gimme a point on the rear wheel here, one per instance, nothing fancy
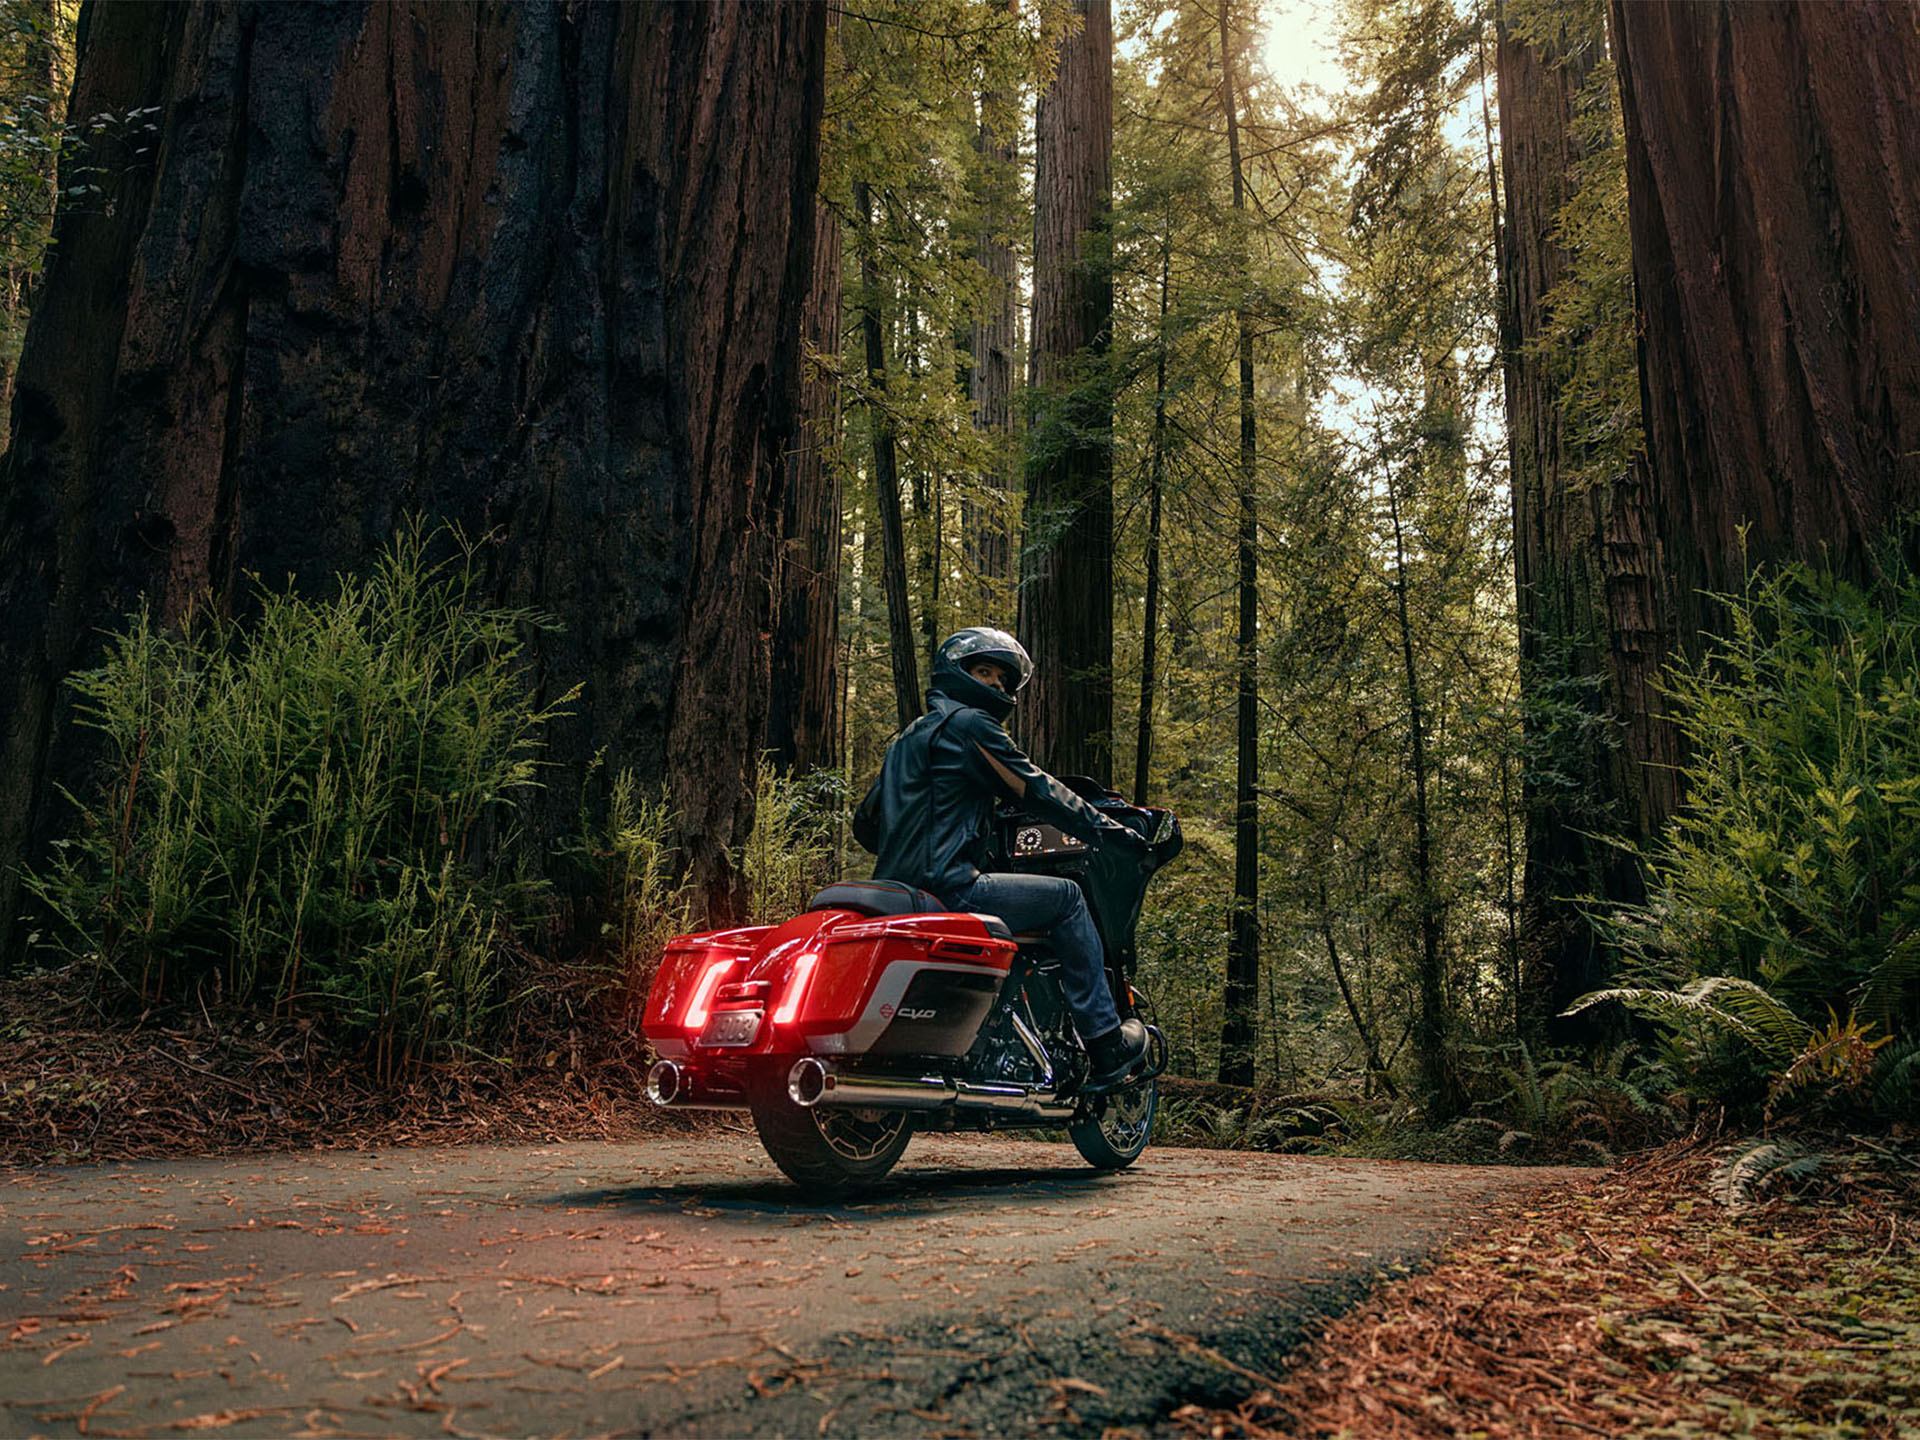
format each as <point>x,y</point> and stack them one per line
<point>1112,1136</point>
<point>828,1150</point>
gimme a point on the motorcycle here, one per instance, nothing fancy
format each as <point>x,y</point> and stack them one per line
<point>877,1012</point>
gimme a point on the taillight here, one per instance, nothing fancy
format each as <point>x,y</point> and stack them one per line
<point>696,1016</point>
<point>796,989</point>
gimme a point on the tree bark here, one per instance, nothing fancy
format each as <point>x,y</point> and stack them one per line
<point>531,269</point>
<point>993,342</point>
<point>1238,1034</point>
<point>1430,1015</point>
<point>1579,787</point>
<point>886,481</point>
<point>1156,476</point>
<point>1066,593</point>
<point>803,721</point>
<point>1773,178</point>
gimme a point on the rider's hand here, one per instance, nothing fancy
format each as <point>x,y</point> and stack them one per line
<point>1127,844</point>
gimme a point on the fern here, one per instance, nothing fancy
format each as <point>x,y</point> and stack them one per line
<point>1715,1002</point>
<point>1749,1169</point>
<point>1896,1081</point>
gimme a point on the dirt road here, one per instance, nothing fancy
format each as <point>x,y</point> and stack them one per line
<point>681,1287</point>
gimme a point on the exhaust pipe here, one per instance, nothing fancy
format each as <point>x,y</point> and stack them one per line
<point>811,1083</point>
<point>671,1086</point>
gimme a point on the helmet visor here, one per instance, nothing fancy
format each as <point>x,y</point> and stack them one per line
<point>970,647</point>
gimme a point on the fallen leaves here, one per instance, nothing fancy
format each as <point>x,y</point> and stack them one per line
<point>1624,1308</point>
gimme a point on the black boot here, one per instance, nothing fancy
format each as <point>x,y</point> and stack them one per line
<point>1115,1056</point>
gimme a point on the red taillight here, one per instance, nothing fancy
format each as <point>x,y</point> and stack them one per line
<point>696,1016</point>
<point>796,989</point>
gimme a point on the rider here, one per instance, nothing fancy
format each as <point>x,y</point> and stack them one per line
<point>930,812</point>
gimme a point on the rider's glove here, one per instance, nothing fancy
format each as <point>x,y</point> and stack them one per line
<point>1127,844</point>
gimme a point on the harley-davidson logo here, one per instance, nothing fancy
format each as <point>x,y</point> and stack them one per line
<point>886,1012</point>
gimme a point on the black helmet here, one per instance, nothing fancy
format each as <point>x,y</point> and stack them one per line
<point>969,647</point>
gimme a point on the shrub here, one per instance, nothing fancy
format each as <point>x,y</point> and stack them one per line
<point>1780,941</point>
<point>293,812</point>
<point>631,883</point>
<point>791,853</point>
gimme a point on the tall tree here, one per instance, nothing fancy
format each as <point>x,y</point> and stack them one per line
<point>1066,592</point>
<point>1156,485</point>
<point>886,472</point>
<point>994,342</point>
<point>1565,340</point>
<point>1238,1036</point>
<point>36,51</point>
<point>1772,188</point>
<point>535,270</point>
<point>803,718</point>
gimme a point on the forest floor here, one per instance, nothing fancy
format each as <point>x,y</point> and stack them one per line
<point>1631,1301</point>
<point>1636,1303</point>
<point>77,1085</point>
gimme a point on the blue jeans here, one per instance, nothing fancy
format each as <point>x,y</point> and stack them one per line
<point>1054,907</point>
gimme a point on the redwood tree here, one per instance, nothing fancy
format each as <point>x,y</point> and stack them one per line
<point>1240,1030</point>
<point>993,344</point>
<point>1581,672</point>
<point>803,723</point>
<point>1773,178</point>
<point>537,270</point>
<point>1066,592</point>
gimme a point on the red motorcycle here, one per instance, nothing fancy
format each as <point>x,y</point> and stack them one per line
<point>877,1012</point>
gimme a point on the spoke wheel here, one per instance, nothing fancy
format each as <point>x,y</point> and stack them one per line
<point>1119,1126</point>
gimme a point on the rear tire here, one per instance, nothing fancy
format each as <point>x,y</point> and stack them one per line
<point>1113,1136</point>
<point>828,1151</point>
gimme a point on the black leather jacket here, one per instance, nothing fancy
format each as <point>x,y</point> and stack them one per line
<point>929,814</point>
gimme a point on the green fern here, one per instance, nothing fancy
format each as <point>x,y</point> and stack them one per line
<point>1896,1081</point>
<point>1716,1002</point>
<point>1745,1172</point>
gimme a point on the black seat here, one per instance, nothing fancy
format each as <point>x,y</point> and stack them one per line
<point>890,897</point>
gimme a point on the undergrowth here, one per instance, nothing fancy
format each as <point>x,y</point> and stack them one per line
<point>1778,951</point>
<point>313,812</point>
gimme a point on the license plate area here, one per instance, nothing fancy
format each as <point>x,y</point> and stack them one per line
<point>731,1029</point>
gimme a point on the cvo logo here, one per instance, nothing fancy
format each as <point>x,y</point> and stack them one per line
<point>887,1012</point>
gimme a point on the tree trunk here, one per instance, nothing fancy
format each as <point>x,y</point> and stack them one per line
<point>1430,1015</point>
<point>803,719</point>
<point>30,223</point>
<point>1773,177</point>
<point>1243,945</point>
<point>1156,475</point>
<point>531,269</point>
<point>1376,1066</point>
<point>993,342</point>
<point>1066,593</point>
<point>886,480</point>
<point>1577,790</point>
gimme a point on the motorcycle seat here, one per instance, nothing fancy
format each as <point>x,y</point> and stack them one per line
<point>891,897</point>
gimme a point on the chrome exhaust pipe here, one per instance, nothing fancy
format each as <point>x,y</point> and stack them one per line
<point>671,1086</point>
<point>811,1083</point>
<point>665,1081</point>
<point>806,1083</point>
<point>1009,1099</point>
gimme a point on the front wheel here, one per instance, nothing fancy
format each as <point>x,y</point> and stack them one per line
<point>1119,1126</point>
<point>828,1151</point>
